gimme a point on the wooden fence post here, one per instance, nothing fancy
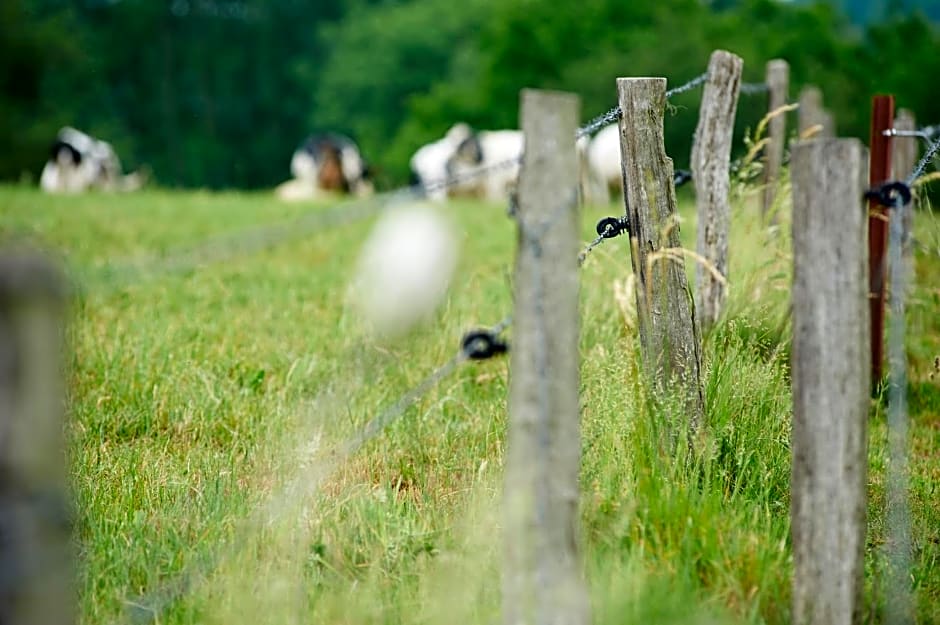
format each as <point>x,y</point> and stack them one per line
<point>711,158</point>
<point>903,161</point>
<point>812,114</point>
<point>778,88</point>
<point>35,563</point>
<point>543,583</point>
<point>668,333</point>
<point>830,381</point>
<point>882,118</point>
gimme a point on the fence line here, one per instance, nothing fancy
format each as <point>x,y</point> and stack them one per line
<point>639,222</point>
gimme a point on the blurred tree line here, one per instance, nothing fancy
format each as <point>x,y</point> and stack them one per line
<point>218,93</point>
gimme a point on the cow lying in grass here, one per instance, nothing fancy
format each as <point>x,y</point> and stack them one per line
<point>326,165</point>
<point>429,162</point>
<point>78,162</point>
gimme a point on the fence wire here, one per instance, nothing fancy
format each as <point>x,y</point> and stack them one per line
<point>753,88</point>
<point>614,114</point>
<point>748,88</point>
<point>929,155</point>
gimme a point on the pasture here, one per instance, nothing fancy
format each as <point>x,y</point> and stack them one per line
<point>206,403</point>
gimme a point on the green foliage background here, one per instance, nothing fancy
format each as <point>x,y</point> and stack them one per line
<point>217,93</point>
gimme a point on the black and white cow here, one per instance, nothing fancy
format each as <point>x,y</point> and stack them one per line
<point>486,164</point>
<point>429,162</point>
<point>327,164</point>
<point>78,162</point>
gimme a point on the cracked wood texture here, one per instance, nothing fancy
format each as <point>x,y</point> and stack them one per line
<point>36,585</point>
<point>830,380</point>
<point>668,333</point>
<point>543,583</point>
<point>778,90</point>
<point>711,161</point>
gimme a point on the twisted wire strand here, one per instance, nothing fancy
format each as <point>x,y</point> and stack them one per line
<point>924,161</point>
<point>614,114</point>
<point>753,88</point>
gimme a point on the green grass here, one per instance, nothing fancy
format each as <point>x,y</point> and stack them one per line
<point>204,401</point>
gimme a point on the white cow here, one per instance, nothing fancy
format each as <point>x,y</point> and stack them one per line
<point>487,163</point>
<point>429,163</point>
<point>603,160</point>
<point>79,162</point>
<point>326,164</point>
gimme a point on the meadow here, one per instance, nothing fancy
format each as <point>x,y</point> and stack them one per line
<point>207,401</point>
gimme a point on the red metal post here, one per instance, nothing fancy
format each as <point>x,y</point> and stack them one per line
<point>882,119</point>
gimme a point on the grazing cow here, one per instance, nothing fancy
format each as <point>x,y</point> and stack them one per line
<point>486,164</point>
<point>429,163</point>
<point>327,163</point>
<point>79,162</point>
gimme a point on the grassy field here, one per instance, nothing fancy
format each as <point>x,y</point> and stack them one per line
<point>205,399</point>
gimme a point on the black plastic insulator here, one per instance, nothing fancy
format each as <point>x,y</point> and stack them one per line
<point>891,194</point>
<point>610,227</point>
<point>482,344</point>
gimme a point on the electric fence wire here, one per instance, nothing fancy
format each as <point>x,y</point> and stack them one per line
<point>921,166</point>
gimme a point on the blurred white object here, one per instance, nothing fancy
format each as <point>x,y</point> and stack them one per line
<point>405,268</point>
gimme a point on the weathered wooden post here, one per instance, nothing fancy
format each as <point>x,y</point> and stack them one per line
<point>542,579</point>
<point>812,114</point>
<point>905,150</point>
<point>882,118</point>
<point>778,89</point>
<point>830,380</point>
<point>35,563</point>
<point>668,334</point>
<point>711,159</point>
